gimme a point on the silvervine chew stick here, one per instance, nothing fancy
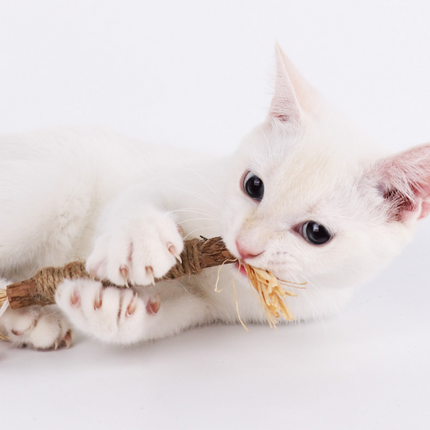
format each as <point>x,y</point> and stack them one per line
<point>198,254</point>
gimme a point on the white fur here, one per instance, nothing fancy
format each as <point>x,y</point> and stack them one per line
<point>116,203</point>
<point>41,328</point>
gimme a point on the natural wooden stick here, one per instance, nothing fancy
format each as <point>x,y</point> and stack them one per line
<point>197,255</point>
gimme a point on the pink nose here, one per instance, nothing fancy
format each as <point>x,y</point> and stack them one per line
<point>246,252</point>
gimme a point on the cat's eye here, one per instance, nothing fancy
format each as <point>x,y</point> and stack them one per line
<point>315,233</point>
<point>253,186</point>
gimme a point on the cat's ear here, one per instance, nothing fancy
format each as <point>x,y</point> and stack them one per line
<point>293,94</point>
<point>404,181</point>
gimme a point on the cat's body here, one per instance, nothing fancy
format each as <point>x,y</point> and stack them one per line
<point>116,203</point>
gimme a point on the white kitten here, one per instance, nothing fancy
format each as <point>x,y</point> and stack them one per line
<point>306,196</point>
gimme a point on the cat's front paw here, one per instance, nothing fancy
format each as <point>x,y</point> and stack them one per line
<point>111,314</point>
<point>38,328</point>
<point>137,252</point>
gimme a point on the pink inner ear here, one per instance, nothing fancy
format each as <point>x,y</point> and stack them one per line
<point>405,179</point>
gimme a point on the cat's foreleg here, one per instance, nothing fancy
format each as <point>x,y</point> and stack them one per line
<point>137,241</point>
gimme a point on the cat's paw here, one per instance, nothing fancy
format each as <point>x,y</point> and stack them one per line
<point>115,315</point>
<point>137,252</point>
<point>38,328</point>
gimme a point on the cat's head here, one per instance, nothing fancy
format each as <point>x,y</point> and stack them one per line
<point>312,201</point>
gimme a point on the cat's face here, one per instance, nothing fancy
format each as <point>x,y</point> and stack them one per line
<point>309,199</point>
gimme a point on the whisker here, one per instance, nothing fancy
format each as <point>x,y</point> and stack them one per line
<point>192,210</point>
<point>193,193</point>
<point>317,313</point>
<point>318,289</point>
<point>198,219</point>
<point>207,184</point>
<point>183,286</point>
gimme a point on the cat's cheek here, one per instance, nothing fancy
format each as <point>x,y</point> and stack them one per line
<point>229,236</point>
<point>230,225</point>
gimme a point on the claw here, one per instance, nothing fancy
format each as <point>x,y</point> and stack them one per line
<point>173,251</point>
<point>131,308</point>
<point>153,306</point>
<point>124,273</point>
<point>67,340</point>
<point>98,301</point>
<point>150,272</point>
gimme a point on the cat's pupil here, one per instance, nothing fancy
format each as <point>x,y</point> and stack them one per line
<point>254,187</point>
<point>315,233</point>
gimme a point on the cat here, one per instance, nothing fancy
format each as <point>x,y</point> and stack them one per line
<point>306,195</point>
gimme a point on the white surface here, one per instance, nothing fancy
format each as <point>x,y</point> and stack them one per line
<point>197,74</point>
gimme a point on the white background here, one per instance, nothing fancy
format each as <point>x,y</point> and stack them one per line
<point>198,74</point>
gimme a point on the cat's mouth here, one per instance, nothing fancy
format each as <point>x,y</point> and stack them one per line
<point>241,268</point>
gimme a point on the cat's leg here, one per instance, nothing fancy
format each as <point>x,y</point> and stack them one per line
<point>126,316</point>
<point>136,243</point>
<point>36,327</point>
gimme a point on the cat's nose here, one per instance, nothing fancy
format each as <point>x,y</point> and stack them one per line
<point>247,252</point>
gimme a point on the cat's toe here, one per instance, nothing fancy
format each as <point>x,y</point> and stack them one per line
<point>136,255</point>
<point>111,314</point>
<point>153,259</point>
<point>96,264</point>
<point>39,328</point>
<point>66,342</point>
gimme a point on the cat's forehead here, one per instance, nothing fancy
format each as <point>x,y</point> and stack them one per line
<point>298,186</point>
<point>303,169</point>
<point>303,173</point>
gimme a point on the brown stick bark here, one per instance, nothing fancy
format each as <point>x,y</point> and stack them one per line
<point>40,289</point>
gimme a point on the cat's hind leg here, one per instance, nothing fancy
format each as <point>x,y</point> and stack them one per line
<point>44,207</point>
<point>39,328</point>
